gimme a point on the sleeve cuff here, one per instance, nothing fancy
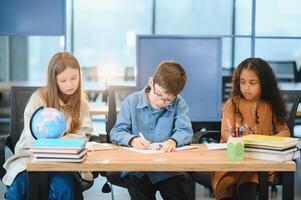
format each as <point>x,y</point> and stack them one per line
<point>129,143</point>
<point>175,141</point>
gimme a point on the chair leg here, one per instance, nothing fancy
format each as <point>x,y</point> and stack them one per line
<point>274,189</point>
<point>112,191</point>
<point>211,193</point>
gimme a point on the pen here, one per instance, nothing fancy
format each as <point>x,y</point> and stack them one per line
<point>246,125</point>
<point>229,127</point>
<point>236,129</point>
<point>241,131</point>
<point>140,134</point>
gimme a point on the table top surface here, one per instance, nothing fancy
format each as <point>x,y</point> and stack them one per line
<point>200,159</point>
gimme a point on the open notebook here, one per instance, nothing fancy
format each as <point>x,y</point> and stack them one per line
<point>153,147</point>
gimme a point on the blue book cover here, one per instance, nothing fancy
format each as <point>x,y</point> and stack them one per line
<point>59,143</point>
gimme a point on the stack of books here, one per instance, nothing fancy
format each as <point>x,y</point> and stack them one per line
<point>273,148</point>
<point>59,150</point>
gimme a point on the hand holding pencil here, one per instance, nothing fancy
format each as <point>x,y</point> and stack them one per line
<point>140,142</point>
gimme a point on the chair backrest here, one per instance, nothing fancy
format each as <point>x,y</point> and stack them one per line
<point>226,87</point>
<point>285,70</point>
<point>19,97</point>
<point>292,99</point>
<point>116,95</point>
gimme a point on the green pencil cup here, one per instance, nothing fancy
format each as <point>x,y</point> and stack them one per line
<point>235,148</point>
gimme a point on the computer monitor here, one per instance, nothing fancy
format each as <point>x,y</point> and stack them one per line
<point>285,71</point>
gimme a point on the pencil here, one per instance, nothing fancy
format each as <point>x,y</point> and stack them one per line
<point>141,135</point>
<point>246,125</point>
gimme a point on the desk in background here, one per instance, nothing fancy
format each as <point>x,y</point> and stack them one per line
<point>88,86</point>
<point>200,159</point>
<point>289,86</point>
<point>96,109</point>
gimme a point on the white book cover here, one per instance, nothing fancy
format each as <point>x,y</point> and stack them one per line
<point>286,151</point>
<point>67,160</point>
<point>60,155</point>
<point>272,157</point>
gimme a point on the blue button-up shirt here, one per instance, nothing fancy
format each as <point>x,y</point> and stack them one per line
<point>156,125</point>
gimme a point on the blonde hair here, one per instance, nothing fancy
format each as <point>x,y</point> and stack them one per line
<point>51,93</point>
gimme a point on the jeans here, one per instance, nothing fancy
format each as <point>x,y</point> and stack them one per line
<point>62,186</point>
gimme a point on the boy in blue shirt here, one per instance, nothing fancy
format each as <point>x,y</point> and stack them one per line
<point>155,114</point>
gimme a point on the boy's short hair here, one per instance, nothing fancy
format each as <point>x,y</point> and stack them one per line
<point>170,76</point>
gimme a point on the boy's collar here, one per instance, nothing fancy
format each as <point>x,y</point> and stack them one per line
<point>142,100</point>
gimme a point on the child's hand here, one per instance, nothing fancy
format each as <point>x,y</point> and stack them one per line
<point>169,145</point>
<point>140,143</point>
<point>66,136</point>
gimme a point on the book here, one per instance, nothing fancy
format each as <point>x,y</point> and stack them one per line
<point>271,142</point>
<point>275,151</point>
<point>68,160</point>
<point>60,155</point>
<point>58,151</point>
<point>272,156</point>
<point>59,143</point>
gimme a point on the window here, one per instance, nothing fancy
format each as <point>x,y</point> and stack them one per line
<point>279,49</point>
<point>40,50</point>
<point>193,17</point>
<point>278,18</point>
<point>104,33</point>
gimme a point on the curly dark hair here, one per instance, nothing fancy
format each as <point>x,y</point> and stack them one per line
<point>270,92</point>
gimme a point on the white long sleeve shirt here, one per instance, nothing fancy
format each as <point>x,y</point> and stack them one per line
<point>17,163</point>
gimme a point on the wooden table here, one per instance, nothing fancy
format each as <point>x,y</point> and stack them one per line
<point>200,159</point>
<point>96,109</point>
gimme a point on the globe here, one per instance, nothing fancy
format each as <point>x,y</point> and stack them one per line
<point>47,123</point>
